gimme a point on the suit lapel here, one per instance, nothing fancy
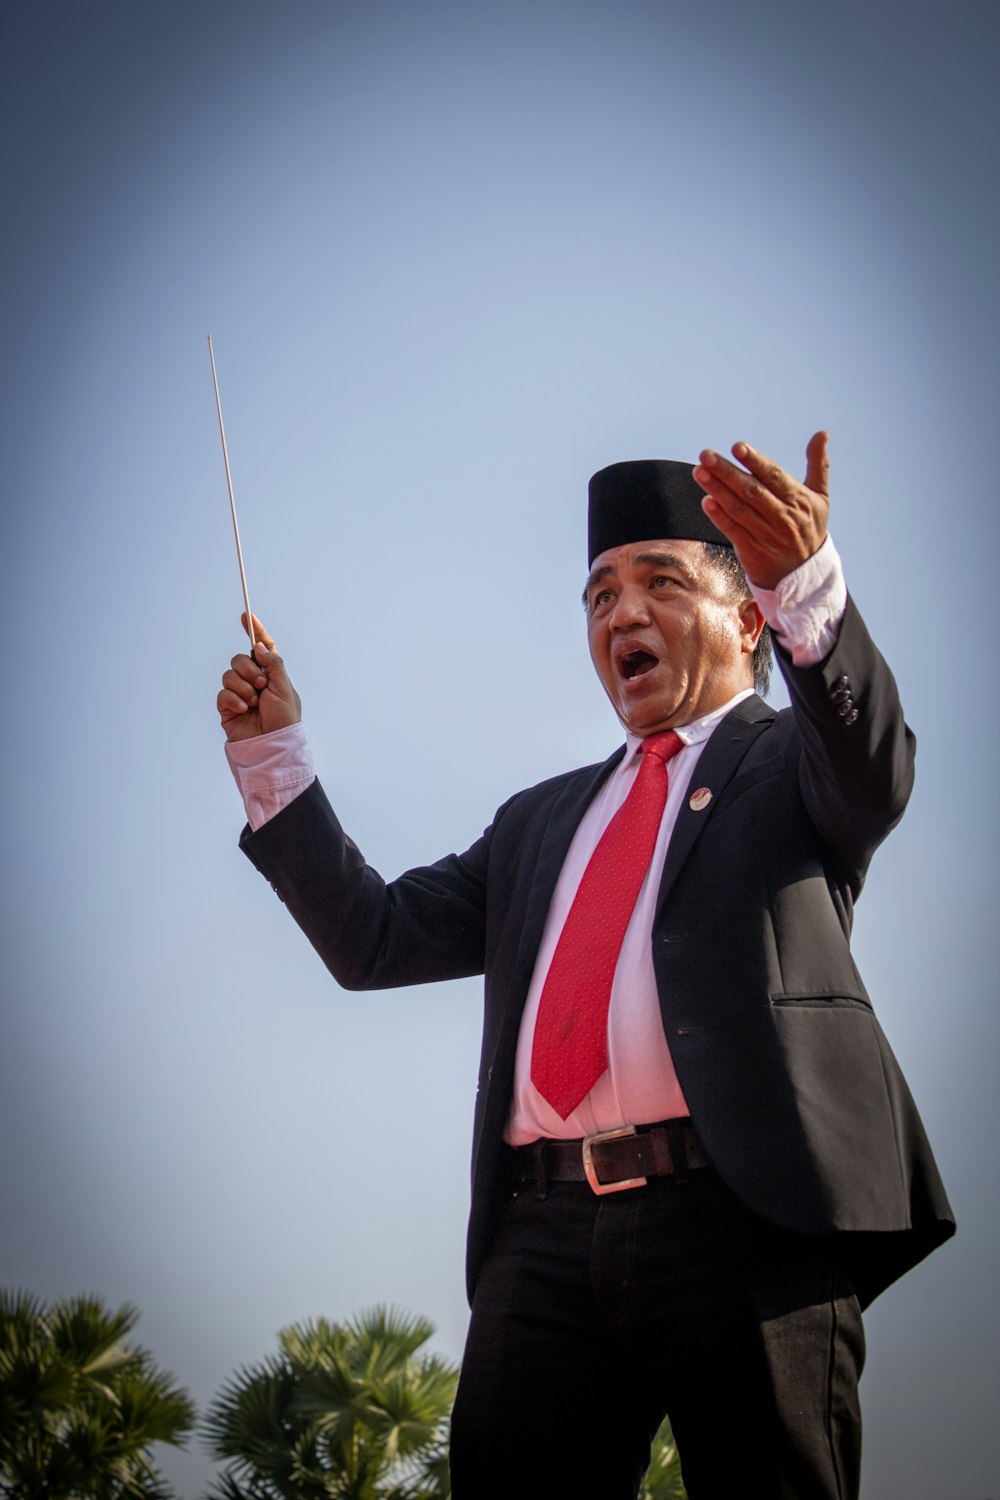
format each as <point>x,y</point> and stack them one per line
<point>716,766</point>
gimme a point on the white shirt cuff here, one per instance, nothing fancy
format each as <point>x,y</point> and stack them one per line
<point>271,770</point>
<point>806,608</point>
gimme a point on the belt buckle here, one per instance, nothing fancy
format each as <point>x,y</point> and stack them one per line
<point>590,1171</point>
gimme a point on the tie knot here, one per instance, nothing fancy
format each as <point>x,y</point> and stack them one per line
<point>662,745</point>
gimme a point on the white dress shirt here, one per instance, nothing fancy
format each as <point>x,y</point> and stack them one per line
<point>639,1085</point>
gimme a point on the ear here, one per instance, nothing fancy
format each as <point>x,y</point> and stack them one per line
<point>751,625</point>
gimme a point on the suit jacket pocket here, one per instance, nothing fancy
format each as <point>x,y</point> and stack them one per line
<point>822,1000</point>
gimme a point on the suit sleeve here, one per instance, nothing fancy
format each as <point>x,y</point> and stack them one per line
<point>857,752</point>
<point>427,925</point>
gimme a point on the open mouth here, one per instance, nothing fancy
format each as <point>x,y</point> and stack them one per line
<point>636,664</point>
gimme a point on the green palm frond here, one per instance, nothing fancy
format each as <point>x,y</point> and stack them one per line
<point>345,1411</point>
<point>386,1336</point>
<point>34,1381</point>
<point>410,1405</point>
<point>308,1344</point>
<point>253,1409</point>
<point>663,1480</point>
<point>79,1406</point>
<point>149,1404</point>
<point>226,1488</point>
<point>330,1387</point>
<point>20,1311</point>
<point>89,1336</point>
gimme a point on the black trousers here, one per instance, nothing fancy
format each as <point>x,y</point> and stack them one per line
<point>595,1316</point>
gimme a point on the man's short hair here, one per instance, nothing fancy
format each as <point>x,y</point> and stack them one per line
<point>725,559</point>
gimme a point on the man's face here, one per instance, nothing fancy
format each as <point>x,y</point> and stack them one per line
<point>667,639</point>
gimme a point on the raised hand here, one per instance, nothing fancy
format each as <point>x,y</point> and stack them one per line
<point>773,520</point>
<point>257,695</point>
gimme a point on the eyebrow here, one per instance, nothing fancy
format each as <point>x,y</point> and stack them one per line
<point>650,559</point>
<point>595,577</point>
<point>664,560</point>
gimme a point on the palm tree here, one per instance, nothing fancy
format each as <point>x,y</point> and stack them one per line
<point>346,1410</point>
<point>663,1480</point>
<point>79,1406</point>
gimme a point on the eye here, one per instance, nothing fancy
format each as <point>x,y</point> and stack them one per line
<point>602,598</point>
<point>661,581</point>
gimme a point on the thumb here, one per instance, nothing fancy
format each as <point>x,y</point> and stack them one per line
<point>818,464</point>
<point>259,635</point>
<point>269,660</point>
<point>280,704</point>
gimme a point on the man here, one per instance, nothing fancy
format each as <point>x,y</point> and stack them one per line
<point>695,1158</point>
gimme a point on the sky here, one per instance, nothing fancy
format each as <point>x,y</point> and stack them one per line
<point>454,258</point>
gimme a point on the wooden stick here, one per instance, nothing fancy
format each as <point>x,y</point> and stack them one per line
<point>232,501</point>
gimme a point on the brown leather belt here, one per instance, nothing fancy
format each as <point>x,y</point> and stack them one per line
<point>613,1160</point>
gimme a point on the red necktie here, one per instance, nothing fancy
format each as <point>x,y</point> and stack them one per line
<point>570,1049</point>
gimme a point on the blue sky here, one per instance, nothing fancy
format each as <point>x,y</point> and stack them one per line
<point>454,258</point>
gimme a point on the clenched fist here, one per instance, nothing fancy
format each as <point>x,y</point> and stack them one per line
<point>256,695</point>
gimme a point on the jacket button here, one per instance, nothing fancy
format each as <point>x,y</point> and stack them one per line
<point>851,717</point>
<point>846,708</point>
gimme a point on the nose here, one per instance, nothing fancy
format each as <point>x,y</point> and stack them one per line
<point>631,609</point>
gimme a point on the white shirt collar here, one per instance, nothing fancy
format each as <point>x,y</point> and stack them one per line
<point>697,731</point>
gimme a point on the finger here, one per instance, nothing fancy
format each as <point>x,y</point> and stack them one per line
<point>245,666</point>
<point>259,633</point>
<point>272,673</point>
<point>232,682</point>
<point>711,474</point>
<point>818,464</point>
<point>770,474</point>
<point>730,527</point>
<point>740,495</point>
<point>230,705</point>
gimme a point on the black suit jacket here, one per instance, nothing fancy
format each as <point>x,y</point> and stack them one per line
<point>791,1084</point>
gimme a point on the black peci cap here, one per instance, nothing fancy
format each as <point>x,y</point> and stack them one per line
<point>646,499</point>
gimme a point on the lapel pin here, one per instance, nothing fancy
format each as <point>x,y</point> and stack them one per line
<point>700,799</point>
